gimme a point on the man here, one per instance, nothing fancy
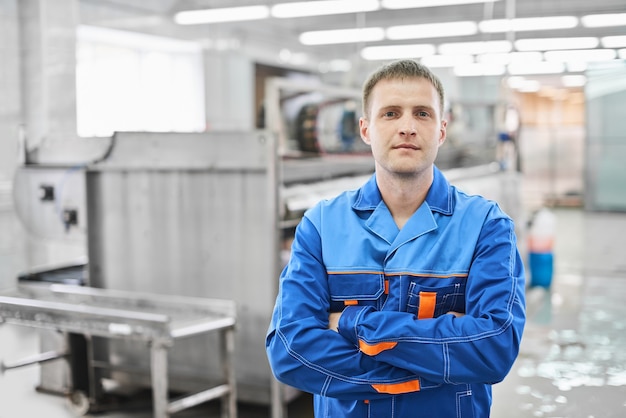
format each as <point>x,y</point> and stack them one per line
<point>404,298</point>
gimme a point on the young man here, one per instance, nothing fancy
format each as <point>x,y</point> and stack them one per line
<point>404,298</point>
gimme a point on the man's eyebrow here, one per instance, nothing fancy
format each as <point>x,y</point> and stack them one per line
<point>388,107</point>
<point>424,107</point>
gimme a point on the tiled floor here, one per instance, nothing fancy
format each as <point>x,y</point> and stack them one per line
<point>572,364</point>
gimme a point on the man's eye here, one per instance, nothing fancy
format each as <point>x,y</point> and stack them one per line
<point>389,114</point>
<point>423,114</point>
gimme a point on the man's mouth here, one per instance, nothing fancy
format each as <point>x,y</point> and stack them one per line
<point>406,146</point>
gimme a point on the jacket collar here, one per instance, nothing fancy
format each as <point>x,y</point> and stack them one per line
<point>439,197</point>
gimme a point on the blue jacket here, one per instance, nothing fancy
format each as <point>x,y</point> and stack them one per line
<point>398,353</point>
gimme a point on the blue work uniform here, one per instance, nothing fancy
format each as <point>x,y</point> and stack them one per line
<point>398,352</point>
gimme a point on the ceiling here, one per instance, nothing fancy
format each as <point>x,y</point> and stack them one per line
<point>275,41</point>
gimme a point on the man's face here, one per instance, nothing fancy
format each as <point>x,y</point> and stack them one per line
<point>404,125</point>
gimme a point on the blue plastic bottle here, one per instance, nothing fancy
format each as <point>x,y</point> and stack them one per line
<point>540,248</point>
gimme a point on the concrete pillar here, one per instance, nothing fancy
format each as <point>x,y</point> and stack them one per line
<point>47,31</point>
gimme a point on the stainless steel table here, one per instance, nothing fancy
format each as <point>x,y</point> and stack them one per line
<point>158,320</point>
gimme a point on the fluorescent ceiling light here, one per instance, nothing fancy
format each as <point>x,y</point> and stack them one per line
<point>439,61</point>
<point>411,4</point>
<point>526,24</point>
<point>341,36</point>
<point>389,52</point>
<point>473,70</point>
<point>547,44</point>
<point>580,55</point>
<point>613,41</point>
<point>432,30</point>
<point>507,58</point>
<point>521,68</point>
<point>474,47</point>
<point>319,8</point>
<point>576,66</point>
<point>598,21</point>
<point>228,14</point>
<point>573,80</point>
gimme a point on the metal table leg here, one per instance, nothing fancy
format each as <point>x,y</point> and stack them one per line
<point>158,364</point>
<point>229,405</point>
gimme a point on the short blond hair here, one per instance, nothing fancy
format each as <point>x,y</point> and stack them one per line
<point>398,70</point>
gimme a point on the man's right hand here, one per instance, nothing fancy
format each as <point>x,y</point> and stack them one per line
<point>333,321</point>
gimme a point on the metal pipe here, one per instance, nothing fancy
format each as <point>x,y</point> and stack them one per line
<point>37,358</point>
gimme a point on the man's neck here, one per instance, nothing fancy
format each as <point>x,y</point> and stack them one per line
<point>403,195</point>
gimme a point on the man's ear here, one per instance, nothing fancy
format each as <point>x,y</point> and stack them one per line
<point>443,131</point>
<point>364,130</point>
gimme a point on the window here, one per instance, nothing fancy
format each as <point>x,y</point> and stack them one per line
<point>127,81</point>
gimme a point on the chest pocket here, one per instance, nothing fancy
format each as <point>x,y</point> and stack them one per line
<point>431,302</point>
<point>355,289</point>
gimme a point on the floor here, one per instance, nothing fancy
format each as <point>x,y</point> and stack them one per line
<point>572,362</point>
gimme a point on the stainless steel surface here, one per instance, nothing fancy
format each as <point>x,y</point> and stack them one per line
<point>113,313</point>
<point>34,359</point>
<point>191,215</point>
<point>156,319</point>
<point>43,216</point>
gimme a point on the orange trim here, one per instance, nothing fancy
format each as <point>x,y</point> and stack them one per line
<point>397,388</point>
<point>427,305</point>
<point>366,401</point>
<point>350,302</point>
<point>386,287</point>
<point>374,349</point>
<point>436,276</point>
<point>401,273</point>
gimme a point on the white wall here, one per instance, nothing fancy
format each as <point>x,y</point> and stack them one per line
<point>9,88</point>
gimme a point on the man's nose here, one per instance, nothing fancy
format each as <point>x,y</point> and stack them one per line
<point>408,128</point>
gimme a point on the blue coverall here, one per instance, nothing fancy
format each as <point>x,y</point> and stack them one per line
<point>398,352</point>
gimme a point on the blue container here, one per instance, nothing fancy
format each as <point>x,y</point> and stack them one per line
<point>541,269</point>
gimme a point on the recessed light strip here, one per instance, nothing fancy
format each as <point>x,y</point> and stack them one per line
<point>613,41</point>
<point>432,30</point>
<point>340,36</point>
<point>528,24</point>
<point>228,14</point>
<point>397,51</point>
<point>547,44</point>
<point>320,8</point>
<point>304,9</point>
<point>412,4</point>
<point>604,20</point>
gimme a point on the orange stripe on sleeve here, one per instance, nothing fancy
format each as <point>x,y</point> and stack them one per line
<point>374,349</point>
<point>351,302</point>
<point>397,388</point>
<point>427,305</point>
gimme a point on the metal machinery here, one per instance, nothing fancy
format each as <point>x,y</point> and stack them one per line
<point>86,314</point>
